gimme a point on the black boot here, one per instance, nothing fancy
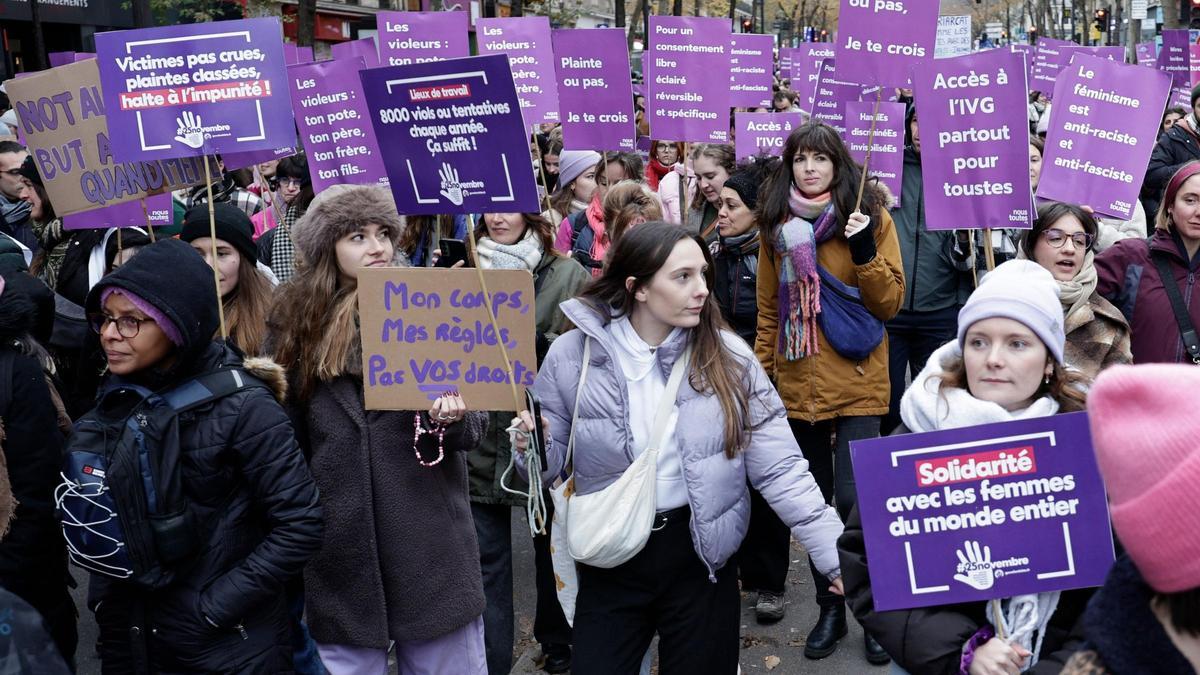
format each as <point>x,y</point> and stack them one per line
<point>875,654</point>
<point>558,658</point>
<point>823,638</point>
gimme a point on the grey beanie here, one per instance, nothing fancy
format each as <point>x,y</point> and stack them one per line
<point>572,163</point>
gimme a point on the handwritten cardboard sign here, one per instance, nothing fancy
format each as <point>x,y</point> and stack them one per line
<point>982,512</point>
<point>427,331</point>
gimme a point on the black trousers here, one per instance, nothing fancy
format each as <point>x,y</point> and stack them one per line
<point>664,589</point>
<point>912,338</point>
<point>765,553</point>
<point>550,625</point>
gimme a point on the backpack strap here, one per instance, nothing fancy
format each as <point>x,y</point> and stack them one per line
<point>582,239</point>
<point>209,387</point>
<point>1187,332</point>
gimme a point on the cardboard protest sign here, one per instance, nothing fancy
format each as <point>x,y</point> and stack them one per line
<point>973,117</point>
<point>1048,60</point>
<point>881,41</point>
<point>454,138</point>
<point>953,37</point>
<point>1146,54</point>
<point>421,37</point>
<point>526,41</point>
<point>806,71</point>
<point>1174,58</point>
<point>595,96</point>
<point>1103,127</point>
<point>831,96</point>
<point>750,70</point>
<point>887,152</point>
<point>195,89</point>
<point>363,48</point>
<point>688,78</point>
<point>335,125</point>
<point>977,513</point>
<point>427,331</point>
<point>61,112</point>
<point>763,133</point>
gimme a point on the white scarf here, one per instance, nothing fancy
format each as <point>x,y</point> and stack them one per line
<point>523,255</point>
<point>925,408</point>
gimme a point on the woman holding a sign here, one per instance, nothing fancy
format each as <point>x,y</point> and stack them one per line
<point>821,247</point>
<point>651,338</point>
<point>1006,364</point>
<point>400,560</point>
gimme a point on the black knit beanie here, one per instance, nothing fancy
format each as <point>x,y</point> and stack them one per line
<point>745,183</point>
<point>177,282</point>
<point>233,227</point>
<point>29,170</point>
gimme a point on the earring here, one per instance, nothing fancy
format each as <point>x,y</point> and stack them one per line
<point>1047,381</point>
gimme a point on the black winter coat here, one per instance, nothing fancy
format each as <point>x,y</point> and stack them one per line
<point>247,481</point>
<point>735,265</point>
<point>1176,147</point>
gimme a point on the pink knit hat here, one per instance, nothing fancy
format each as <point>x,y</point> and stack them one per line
<point>1148,447</point>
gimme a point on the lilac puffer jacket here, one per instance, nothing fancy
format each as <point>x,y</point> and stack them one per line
<point>716,485</point>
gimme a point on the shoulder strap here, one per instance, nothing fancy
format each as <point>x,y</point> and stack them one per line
<point>668,399</point>
<point>1187,331</point>
<point>209,387</point>
<point>587,357</point>
<point>6,361</point>
<point>578,222</point>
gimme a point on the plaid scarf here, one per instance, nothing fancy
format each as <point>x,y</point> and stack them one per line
<point>813,223</point>
<point>283,251</point>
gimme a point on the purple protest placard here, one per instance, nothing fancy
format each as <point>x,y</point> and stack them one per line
<point>1103,126</point>
<point>595,97</point>
<point>363,48</point>
<point>1111,53</point>
<point>807,69</point>
<point>1194,58</point>
<point>1181,97</point>
<point>977,513</point>
<point>787,61</point>
<point>1174,58</point>
<point>335,125</point>
<point>974,123</point>
<point>831,96</point>
<point>688,79</point>
<point>195,89</point>
<point>420,37</point>
<point>881,41</point>
<point>125,214</point>
<point>241,160</point>
<point>63,58</point>
<point>887,152</point>
<point>762,133</point>
<point>1030,54</point>
<point>1048,60</point>
<point>526,41</point>
<point>1146,55</point>
<point>750,70</point>
<point>455,139</point>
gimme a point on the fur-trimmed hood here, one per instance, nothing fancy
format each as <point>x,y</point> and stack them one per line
<point>271,373</point>
<point>341,209</point>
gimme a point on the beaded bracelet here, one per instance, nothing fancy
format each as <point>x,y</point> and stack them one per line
<point>985,633</point>
<point>419,431</point>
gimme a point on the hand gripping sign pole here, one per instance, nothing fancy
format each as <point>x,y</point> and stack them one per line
<point>212,233</point>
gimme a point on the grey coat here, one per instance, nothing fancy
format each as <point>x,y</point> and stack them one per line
<point>716,485</point>
<point>400,559</point>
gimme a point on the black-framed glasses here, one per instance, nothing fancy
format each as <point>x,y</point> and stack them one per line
<point>291,182</point>
<point>127,326</point>
<point>1056,238</point>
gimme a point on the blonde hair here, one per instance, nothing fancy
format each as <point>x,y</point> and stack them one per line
<point>626,202</point>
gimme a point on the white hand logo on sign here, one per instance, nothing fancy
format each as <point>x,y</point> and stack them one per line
<point>190,131</point>
<point>975,567</point>
<point>451,188</point>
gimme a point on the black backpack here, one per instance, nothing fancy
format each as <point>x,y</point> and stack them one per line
<point>121,505</point>
<point>582,238</point>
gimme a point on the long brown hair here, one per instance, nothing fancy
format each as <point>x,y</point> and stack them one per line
<point>417,228</point>
<point>625,202</point>
<point>1067,387</point>
<point>720,153</point>
<point>816,136</point>
<point>247,308</point>
<point>714,369</point>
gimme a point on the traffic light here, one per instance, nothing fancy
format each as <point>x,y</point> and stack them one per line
<point>747,24</point>
<point>1102,19</point>
<point>1194,14</point>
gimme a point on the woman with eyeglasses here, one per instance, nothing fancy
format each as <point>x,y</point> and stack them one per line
<point>1140,276</point>
<point>276,249</point>
<point>291,174</point>
<point>1062,240</point>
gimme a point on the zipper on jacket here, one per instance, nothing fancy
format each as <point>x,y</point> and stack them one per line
<point>912,299</point>
<point>241,629</point>
<point>1181,350</point>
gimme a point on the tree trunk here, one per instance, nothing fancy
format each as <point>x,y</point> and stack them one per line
<point>39,40</point>
<point>619,13</point>
<point>518,7</point>
<point>696,8</point>
<point>677,9</point>
<point>1170,12</point>
<point>1135,33</point>
<point>306,20</point>
<point>733,12</point>
<point>142,16</point>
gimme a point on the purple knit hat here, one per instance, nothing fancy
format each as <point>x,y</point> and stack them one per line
<point>168,328</point>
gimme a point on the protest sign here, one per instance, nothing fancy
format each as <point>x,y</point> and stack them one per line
<point>1116,54</point>
<point>454,136</point>
<point>1174,58</point>
<point>526,41</point>
<point>978,513</point>
<point>763,133</point>
<point>831,95</point>
<point>880,41</point>
<point>1146,55</point>
<point>1030,54</point>
<point>363,48</point>
<point>241,160</point>
<point>1194,58</point>
<point>953,37</point>
<point>420,37</point>
<point>688,79</point>
<point>750,70</point>
<point>61,114</point>
<point>195,89</point>
<point>787,60</point>
<point>335,126</point>
<point>1048,60</point>
<point>595,97</point>
<point>63,58</point>
<point>427,331</point>
<point>158,212</point>
<point>887,152</point>
<point>807,69</point>
<point>1103,126</point>
<point>1181,97</point>
<point>974,124</point>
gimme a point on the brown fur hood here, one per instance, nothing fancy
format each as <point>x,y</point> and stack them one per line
<point>272,374</point>
<point>340,210</point>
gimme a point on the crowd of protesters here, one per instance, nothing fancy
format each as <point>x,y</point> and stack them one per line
<point>327,538</point>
